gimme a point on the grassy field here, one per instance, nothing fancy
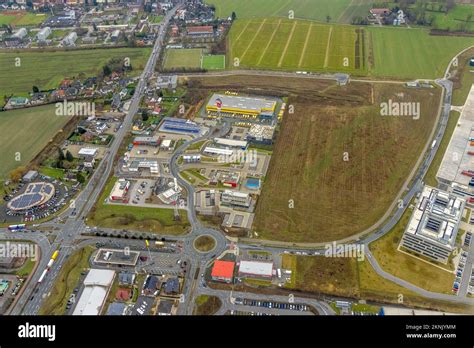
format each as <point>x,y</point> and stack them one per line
<point>407,267</point>
<point>66,281</point>
<point>157,220</point>
<point>46,69</point>
<point>204,243</point>
<point>207,305</point>
<point>276,43</point>
<point>306,9</point>
<point>336,276</point>
<point>283,44</point>
<point>21,18</point>
<point>455,19</point>
<point>420,54</point>
<point>357,280</point>
<point>29,131</point>
<point>462,77</point>
<point>183,58</point>
<point>333,197</point>
<point>213,62</point>
<point>430,177</point>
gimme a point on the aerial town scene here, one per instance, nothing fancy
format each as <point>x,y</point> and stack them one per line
<point>242,158</point>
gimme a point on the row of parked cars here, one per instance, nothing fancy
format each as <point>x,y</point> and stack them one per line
<point>272,304</point>
<point>459,271</point>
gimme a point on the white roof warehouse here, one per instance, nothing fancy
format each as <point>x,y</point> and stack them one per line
<point>96,288</point>
<point>256,269</point>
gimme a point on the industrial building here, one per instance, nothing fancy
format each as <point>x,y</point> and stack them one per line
<point>135,164</point>
<point>236,199</point>
<point>256,269</point>
<point>115,36</point>
<point>210,150</point>
<point>200,31</point>
<point>43,34</point>
<point>20,34</point>
<point>261,134</point>
<point>120,189</point>
<point>96,288</point>
<point>457,167</point>
<point>223,271</point>
<point>434,224</point>
<point>237,144</point>
<point>249,108</point>
<point>147,141</point>
<point>180,126</point>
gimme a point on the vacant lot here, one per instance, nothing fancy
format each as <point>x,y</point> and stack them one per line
<point>336,276</point>
<point>157,220</point>
<point>46,69</point>
<point>307,9</point>
<point>182,58</point>
<point>207,305</point>
<point>336,169</point>
<point>412,53</point>
<point>277,43</point>
<point>26,132</point>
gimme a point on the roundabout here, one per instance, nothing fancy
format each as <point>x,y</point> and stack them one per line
<point>204,243</point>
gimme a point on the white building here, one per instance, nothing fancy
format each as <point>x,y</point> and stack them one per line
<point>96,288</point>
<point>240,144</point>
<point>256,269</point>
<point>43,34</point>
<point>20,33</point>
<point>236,199</point>
<point>70,39</point>
<point>434,224</point>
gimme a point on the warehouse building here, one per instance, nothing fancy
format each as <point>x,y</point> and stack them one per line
<point>458,162</point>
<point>434,224</point>
<point>88,154</point>
<point>210,150</point>
<point>146,141</point>
<point>260,134</point>
<point>256,269</point>
<point>200,31</point>
<point>96,288</point>
<point>180,126</point>
<point>70,39</point>
<point>223,271</point>
<point>237,144</point>
<point>247,108</point>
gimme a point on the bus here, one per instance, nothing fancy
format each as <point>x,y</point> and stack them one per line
<point>17,227</point>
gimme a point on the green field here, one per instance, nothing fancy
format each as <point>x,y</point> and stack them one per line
<point>454,20</point>
<point>306,9</point>
<point>182,58</point>
<point>276,43</point>
<point>412,53</point>
<point>29,131</point>
<point>213,62</point>
<point>46,69</point>
<point>22,18</point>
<point>144,219</point>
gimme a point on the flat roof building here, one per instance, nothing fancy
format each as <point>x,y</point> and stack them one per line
<point>260,134</point>
<point>180,126</point>
<point>434,224</point>
<point>120,189</point>
<point>256,269</point>
<point>223,271</point>
<point>236,199</point>
<point>96,288</point>
<point>241,107</point>
<point>239,144</point>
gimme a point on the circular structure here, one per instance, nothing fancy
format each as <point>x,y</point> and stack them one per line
<point>35,194</point>
<point>204,243</point>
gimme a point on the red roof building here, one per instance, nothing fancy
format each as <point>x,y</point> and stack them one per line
<point>379,11</point>
<point>201,30</point>
<point>223,271</point>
